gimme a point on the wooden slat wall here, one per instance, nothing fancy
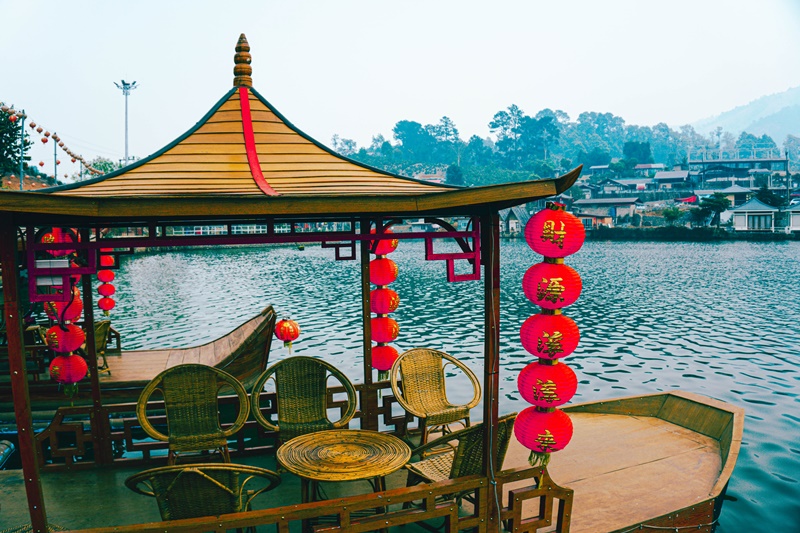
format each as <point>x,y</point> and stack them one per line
<point>213,161</point>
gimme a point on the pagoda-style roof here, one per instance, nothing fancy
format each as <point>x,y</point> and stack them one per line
<point>244,159</point>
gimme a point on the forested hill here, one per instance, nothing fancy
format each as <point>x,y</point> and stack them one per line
<point>543,144</point>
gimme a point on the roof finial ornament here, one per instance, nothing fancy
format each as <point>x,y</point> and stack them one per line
<point>242,69</point>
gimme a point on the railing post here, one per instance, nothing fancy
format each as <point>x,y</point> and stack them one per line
<point>369,394</point>
<point>19,375</point>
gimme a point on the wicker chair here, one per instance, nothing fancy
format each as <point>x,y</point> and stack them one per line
<point>209,489</point>
<point>422,392</point>
<point>301,384</point>
<point>102,333</point>
<point>190,394</point>
<point>465,460</point>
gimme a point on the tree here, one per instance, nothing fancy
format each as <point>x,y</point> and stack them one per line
<point>698,216</point>
<point>454,176</point>
<point>345,147</point>
<point>767,196</point>
<point>9,144</point>
<point>716,203</point>
<point>104,165</point>
<point>640,151</point>
<point>671,215</point>
<point>506,125</point>
<point>416,142</point>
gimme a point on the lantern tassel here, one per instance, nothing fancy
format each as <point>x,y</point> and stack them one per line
<point>383,375</point>
<point>288,344</point>
<point>538,459</point>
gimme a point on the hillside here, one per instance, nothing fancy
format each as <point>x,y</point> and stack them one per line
<point>776,115</point>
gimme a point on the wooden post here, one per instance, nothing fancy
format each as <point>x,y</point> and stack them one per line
<point>101,429</point>
<point>19,375</point>
<point>369,394</point>
<point>490,256</point>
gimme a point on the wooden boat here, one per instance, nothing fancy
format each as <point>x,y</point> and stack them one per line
<point>243,352</point>
<point>661,460</point>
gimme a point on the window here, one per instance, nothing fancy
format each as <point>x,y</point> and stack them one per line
<point>759,222</point>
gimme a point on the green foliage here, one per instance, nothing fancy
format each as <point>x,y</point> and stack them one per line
<point>767,196</point>
<point>104,165</point>
<point>716,203</point>
<point>671,215</point>
<point>638,151</point>
<point>9,144</point>
<point>454,176</point>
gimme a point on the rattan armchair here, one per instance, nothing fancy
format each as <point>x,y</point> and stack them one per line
<point>301,384</point>
<point>418,382</point>
<point>210,489</point>
<point>191,404</point>
<point>466,457</point>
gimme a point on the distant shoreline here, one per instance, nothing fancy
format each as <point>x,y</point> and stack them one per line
<point>684,234</point>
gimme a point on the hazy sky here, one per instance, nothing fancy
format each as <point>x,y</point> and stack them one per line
<point>357,67</point>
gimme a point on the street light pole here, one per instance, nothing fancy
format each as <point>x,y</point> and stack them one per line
<point>126,89</point>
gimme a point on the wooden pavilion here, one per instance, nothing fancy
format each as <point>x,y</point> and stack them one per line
<point>245,164</point>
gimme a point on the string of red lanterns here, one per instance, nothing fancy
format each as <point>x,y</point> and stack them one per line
<point>14,115</point>
<point>64,338</point>
<point>383,300</point>
<point>549,335</point>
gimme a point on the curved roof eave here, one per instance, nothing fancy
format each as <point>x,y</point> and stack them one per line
<point>222,207</point>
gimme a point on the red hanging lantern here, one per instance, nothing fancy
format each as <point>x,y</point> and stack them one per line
<point>382,271</point>
<point>287,331</point>
<point>106,289</point>
<point>13,118</point>
<point>106,304</point>
<point>65,338</point>
<point>47,134</point>
<point>551,285</point>
<point>68,369</point>
<point>39,129</point>
<point>383,301</point>
<point>44,140</point>
<point>58,236</point>
<point>547,385</point>
<point>106,260</point>
<point>542,432</point>
<point>106,276</point>
<point>32,125</point>
<point>41,163</point>
<point>383,357</point>
<point>384,329</point>
<point>553,232</point>
<point>73,159</point>
<point>58,161</point>
<point>549,336</point>
<point>65,311</point>
<point>384,246</point>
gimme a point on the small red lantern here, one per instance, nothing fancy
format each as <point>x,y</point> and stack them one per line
<point>41,163</point>
<point>106,304</point>
<point>58,236</point>
<point>382,271</point>
<point>106,289</point>
<point>39,129</point>
<point>553,232</point>
<point>287,331</point>
<point>68,368</point>
<point>384,329</point>
<point>65,311</point>
<point>384,246</point>
<point>383,301</point>
<point>552,285</point>
<point>106,260</point>
<point>549,336</point>
<point>47,134</point>
<point>58,161</point>
<point>542,432</point>
<point>547,385</point>
<point>13,118</point>
<point>44,140</point>
<point>73,159</point>
<point>383,357</point>
<point>65,338</point>
<point>32,125</point>
<point>106,276</point>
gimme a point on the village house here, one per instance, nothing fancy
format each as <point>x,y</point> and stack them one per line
<point>754,215</point>
<point>671,179</point>
<point>513,220</point>
<point>608,207</point>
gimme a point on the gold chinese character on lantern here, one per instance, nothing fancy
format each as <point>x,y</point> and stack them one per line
<point>550,343</point>
<point>545,391</point>
<point>550,233</point>
<point>550,290</point>
<point>546,441</point>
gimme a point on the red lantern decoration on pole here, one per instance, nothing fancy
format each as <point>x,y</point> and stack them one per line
<point>287,330</point>
<point>69,370</point>
<point>65,312</point>
<point>65,338</point>
<point>382,272</point>
<point>549,335</point>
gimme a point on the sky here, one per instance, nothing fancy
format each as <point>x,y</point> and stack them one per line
<point>356,68</point>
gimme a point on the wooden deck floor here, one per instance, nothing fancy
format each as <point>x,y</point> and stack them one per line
<point>625,470</point>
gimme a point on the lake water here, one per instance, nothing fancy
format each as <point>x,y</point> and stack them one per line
<point>720,319</point>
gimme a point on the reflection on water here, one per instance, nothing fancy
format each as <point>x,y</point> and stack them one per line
<point>717,319</point>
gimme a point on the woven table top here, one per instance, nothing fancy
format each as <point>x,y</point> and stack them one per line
<point>343,455</point>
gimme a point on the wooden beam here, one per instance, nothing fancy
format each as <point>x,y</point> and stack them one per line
<point>19,376</point>
<point>369,394</point>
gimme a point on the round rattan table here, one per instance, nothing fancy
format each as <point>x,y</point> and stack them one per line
<point>343,455</point>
